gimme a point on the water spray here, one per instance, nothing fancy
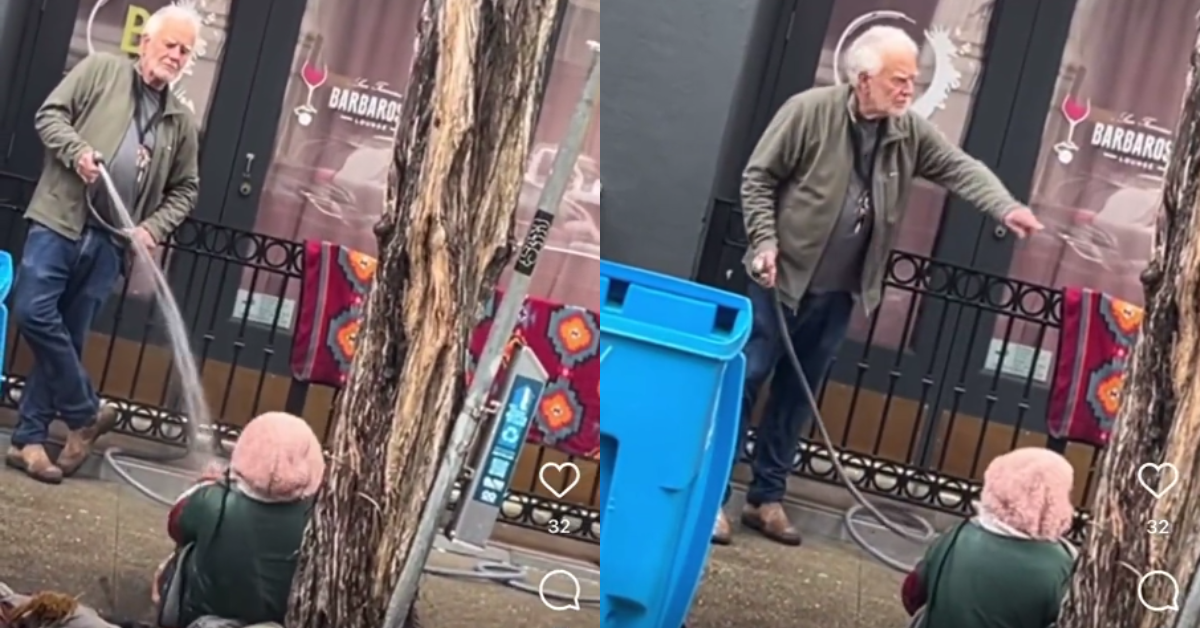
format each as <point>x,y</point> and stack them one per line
<point>195,407</point>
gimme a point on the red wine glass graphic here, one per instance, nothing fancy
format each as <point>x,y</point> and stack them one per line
<point>313,78</point>
<point>1075,111</point>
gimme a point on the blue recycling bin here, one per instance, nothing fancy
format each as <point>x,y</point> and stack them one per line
<point>6,282</point>
<point>671,387</point>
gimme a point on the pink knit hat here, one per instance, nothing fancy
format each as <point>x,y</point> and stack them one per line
<point>278,458</point>
<point>1029,490</point>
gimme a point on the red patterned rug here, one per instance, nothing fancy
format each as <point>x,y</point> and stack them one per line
<point>1098,334</point>
<point>566,339</point>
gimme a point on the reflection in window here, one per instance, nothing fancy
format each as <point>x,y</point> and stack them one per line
<point>951,34</point>
<point>333,150</point>
<point>116,26</point>
<point>1105,147</point>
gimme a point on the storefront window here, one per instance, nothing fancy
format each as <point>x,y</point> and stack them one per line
<point>328,176</point>
<point>1105,147</point>
<point>951,34</point>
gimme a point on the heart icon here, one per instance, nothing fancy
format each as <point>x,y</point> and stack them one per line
<point>560,467</point>
<point>1164,483</point>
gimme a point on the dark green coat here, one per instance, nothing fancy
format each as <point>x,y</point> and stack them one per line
<point>244,553</point>
<point>981,579</point>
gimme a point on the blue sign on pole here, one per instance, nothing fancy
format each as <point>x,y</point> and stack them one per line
<point>6,281</point>
<point>498,465</point>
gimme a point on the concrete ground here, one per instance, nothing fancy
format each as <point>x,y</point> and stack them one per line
<point>101,542</point>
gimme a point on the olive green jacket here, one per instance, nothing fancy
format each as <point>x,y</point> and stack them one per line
<point>799,174</point>
<point>92,108</point>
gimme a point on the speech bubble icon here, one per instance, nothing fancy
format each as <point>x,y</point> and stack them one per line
<point>562,467</point>
<point>551,599</point>
<point>1174,591</point>
<point>1164,483</point>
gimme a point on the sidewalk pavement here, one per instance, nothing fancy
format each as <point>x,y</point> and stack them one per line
<point>102,542</point>
<point>752,583</point>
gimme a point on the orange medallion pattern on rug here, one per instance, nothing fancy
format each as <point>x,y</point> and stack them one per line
<point>1124,319</point>
<point>565,339</point>
<point>1096,339</point>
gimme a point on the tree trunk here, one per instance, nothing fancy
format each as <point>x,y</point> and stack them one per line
<point>1159,422</point>
<point>444,237</point>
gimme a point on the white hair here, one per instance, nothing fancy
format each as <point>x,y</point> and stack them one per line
<point>181,11</point>
<point>865,55</point>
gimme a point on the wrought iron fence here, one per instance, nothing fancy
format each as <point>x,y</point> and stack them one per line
<point>238,292</point>
<point>952,370</point>
<point>967,380</point>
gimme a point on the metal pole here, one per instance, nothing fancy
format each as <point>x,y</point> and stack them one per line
<point>1189,615</point>
<point>503,325</point>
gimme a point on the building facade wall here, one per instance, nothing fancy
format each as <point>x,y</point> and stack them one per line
<point>674,71</point>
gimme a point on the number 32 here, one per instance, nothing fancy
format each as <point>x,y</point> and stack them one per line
<point>1159,526</point>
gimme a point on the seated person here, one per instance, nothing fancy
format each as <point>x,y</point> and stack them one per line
<point>238,531</point>
<point>1009,566</point>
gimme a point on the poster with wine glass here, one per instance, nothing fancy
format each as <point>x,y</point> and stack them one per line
<point>1130,139</point>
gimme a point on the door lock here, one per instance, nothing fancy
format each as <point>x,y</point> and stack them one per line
<point>1000,231</point>
<point>246,187</point>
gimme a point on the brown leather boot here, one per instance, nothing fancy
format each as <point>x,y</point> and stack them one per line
<point>771,521</point>
<point>722,532</point>
<point>33,460</point>
<point>79,442</point>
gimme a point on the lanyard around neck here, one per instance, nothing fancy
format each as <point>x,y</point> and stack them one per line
<point>139,107</point>
<point>864,165</point>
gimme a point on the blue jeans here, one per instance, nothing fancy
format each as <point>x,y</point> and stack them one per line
<point>60,286</point>
<point>816,330</point>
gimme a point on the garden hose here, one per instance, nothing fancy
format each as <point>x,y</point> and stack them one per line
<point>920,530</point>
<point>113,455</point>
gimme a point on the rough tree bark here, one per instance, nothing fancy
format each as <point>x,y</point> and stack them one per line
<point>462,145</point>
<point>1159,420</point>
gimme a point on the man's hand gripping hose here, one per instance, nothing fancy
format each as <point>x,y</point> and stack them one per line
<point>918,529</point>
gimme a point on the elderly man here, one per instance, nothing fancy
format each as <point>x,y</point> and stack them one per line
<point>75,249</point>
<point>822,195</point>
